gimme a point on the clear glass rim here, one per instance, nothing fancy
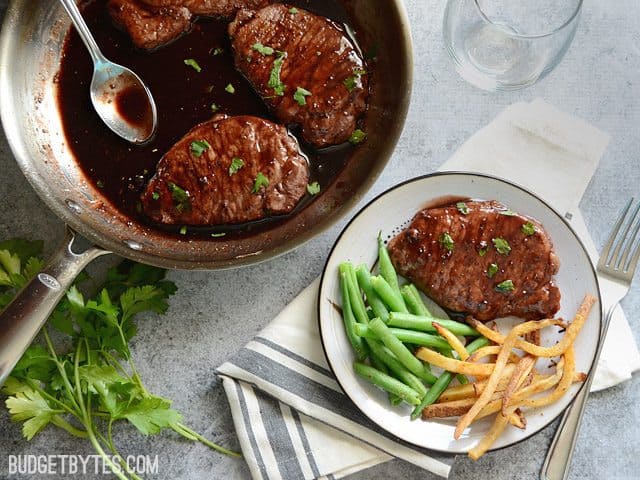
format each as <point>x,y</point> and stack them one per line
<point>567,22</point>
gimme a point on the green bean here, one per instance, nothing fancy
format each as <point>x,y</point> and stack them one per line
<point>376,362</point>
<point>397,369</point>
<point>350,321</point>
<point>402,353</point>
<point>387,270</point>
<point>387,383</point>
<point>417,322</point>
<point>406,336</point>
<point>413,300</point>
<point>444,380</point>
<point>388,295</point>
<point>394,399</point>
<point>373,299</point>
<point>357,304</point>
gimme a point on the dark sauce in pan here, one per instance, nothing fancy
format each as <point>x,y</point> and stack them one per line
<point>183,98</point>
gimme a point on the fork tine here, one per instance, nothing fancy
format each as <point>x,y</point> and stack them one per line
<point>632,241</point>
<point>604,257</point>
<point>629,240</point>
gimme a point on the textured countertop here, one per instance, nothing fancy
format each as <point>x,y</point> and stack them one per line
<point>215,313</point>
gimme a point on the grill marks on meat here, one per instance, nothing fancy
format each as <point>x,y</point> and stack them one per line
<point>319,58</point>
<point>458,279</point>
<point>214,195</point>
<point>154,23</point>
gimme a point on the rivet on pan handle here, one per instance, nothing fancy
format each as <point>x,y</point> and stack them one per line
<point>23,318</point>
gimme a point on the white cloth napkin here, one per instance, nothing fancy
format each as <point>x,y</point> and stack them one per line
<point>292,419</point>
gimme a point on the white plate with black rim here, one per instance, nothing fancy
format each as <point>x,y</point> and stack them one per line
<point>389,213</point>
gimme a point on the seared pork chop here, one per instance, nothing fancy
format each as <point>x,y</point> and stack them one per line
<point>154,23</point>
<point>227,170</point>
<point>481,259</point>
<point>305,67</point>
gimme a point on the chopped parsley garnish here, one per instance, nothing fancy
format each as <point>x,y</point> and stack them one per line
<point>217,51</point>
<point>293,10</point>
<point>492,270</point>
<point>214,107</point>
<point>446,241</point>
<point>274,76</point>
<point>300,95</point>
<point>183,230</point>
<point>357,137</point>
<point>462,208</point>
<point>155,195</point>
<point>528,229</point>
<point>508,213</point>
<point>230,89</point>
<point>193,64</point>
<point>483,251</point>
<point>260,181</point>
<point>218,235</point>
<point>264,50</point>
<point>505,287</point>
<point>180,198</point>
<point>100,184</point>
<point>313,188</point>
<point>199,147</point>
<point>351,82</point>
<point>236,164</point>
<point>502,246</point>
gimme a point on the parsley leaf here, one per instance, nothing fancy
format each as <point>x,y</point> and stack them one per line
<point>218,235</point>
<point>230,89</point>
<point>357,137</point>
<point>30,407</point>
<point>505,287</point>
<point>528,229</point>
<point>236,165</point>
<point>483,251</point>
<point>260,181</point>
<point>446,241</point>
<point>293,10</point>
<point>214,108</point>
<point>492,270</point>
<point>352,81</point>
<point>300,95</point>
<point>181,198</point>
<point>155,196</point>
<point>217,51</point>
<point>264,50</point>
<point>507,213</point>
<point>502,246</point>
<point>313,188</point>
<point>150,415</point>
<point>462,208</point>
<point>274,76</point>
<point>193,64</point>
<point>198,147</point>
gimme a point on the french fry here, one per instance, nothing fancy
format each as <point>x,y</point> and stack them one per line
<point>452,340</point>
<point>490,350</point>
<point>563,385</point>
<point>489,439</point>
<point>559,348</point>
<point>501,361</point>
<point>453,365</point>
<point>458,392</point>
<point>520,374</point>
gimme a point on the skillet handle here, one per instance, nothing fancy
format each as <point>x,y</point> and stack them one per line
<point>23,318</point>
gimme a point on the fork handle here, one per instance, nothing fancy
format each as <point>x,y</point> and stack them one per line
<point>558,461</point>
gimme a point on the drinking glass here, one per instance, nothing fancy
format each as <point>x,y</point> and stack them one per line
<point>508,44</point>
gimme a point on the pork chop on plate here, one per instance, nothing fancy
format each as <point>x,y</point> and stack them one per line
<point>480,258</point>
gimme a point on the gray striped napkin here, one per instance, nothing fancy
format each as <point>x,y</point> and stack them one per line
<point>291,416</point>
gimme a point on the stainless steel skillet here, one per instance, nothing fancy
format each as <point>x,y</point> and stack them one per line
<point>30,48</point>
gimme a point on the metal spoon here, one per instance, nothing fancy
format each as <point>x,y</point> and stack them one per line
<point>115,90</point>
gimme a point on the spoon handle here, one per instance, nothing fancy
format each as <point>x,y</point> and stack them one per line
<point>76,17</point>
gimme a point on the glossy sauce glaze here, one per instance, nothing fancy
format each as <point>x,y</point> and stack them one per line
<point>184,98</point>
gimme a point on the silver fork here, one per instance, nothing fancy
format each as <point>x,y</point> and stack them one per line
<point>618,262</point>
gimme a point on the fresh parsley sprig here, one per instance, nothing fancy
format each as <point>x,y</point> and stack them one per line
<point>94,384</point>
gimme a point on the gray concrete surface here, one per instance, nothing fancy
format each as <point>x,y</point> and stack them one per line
<point>215,313</point>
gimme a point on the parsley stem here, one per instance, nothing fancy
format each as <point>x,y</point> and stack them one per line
<point>62,423</point>
<point>68,391</point>
<point>51,398</point>
<point>187,432</point>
